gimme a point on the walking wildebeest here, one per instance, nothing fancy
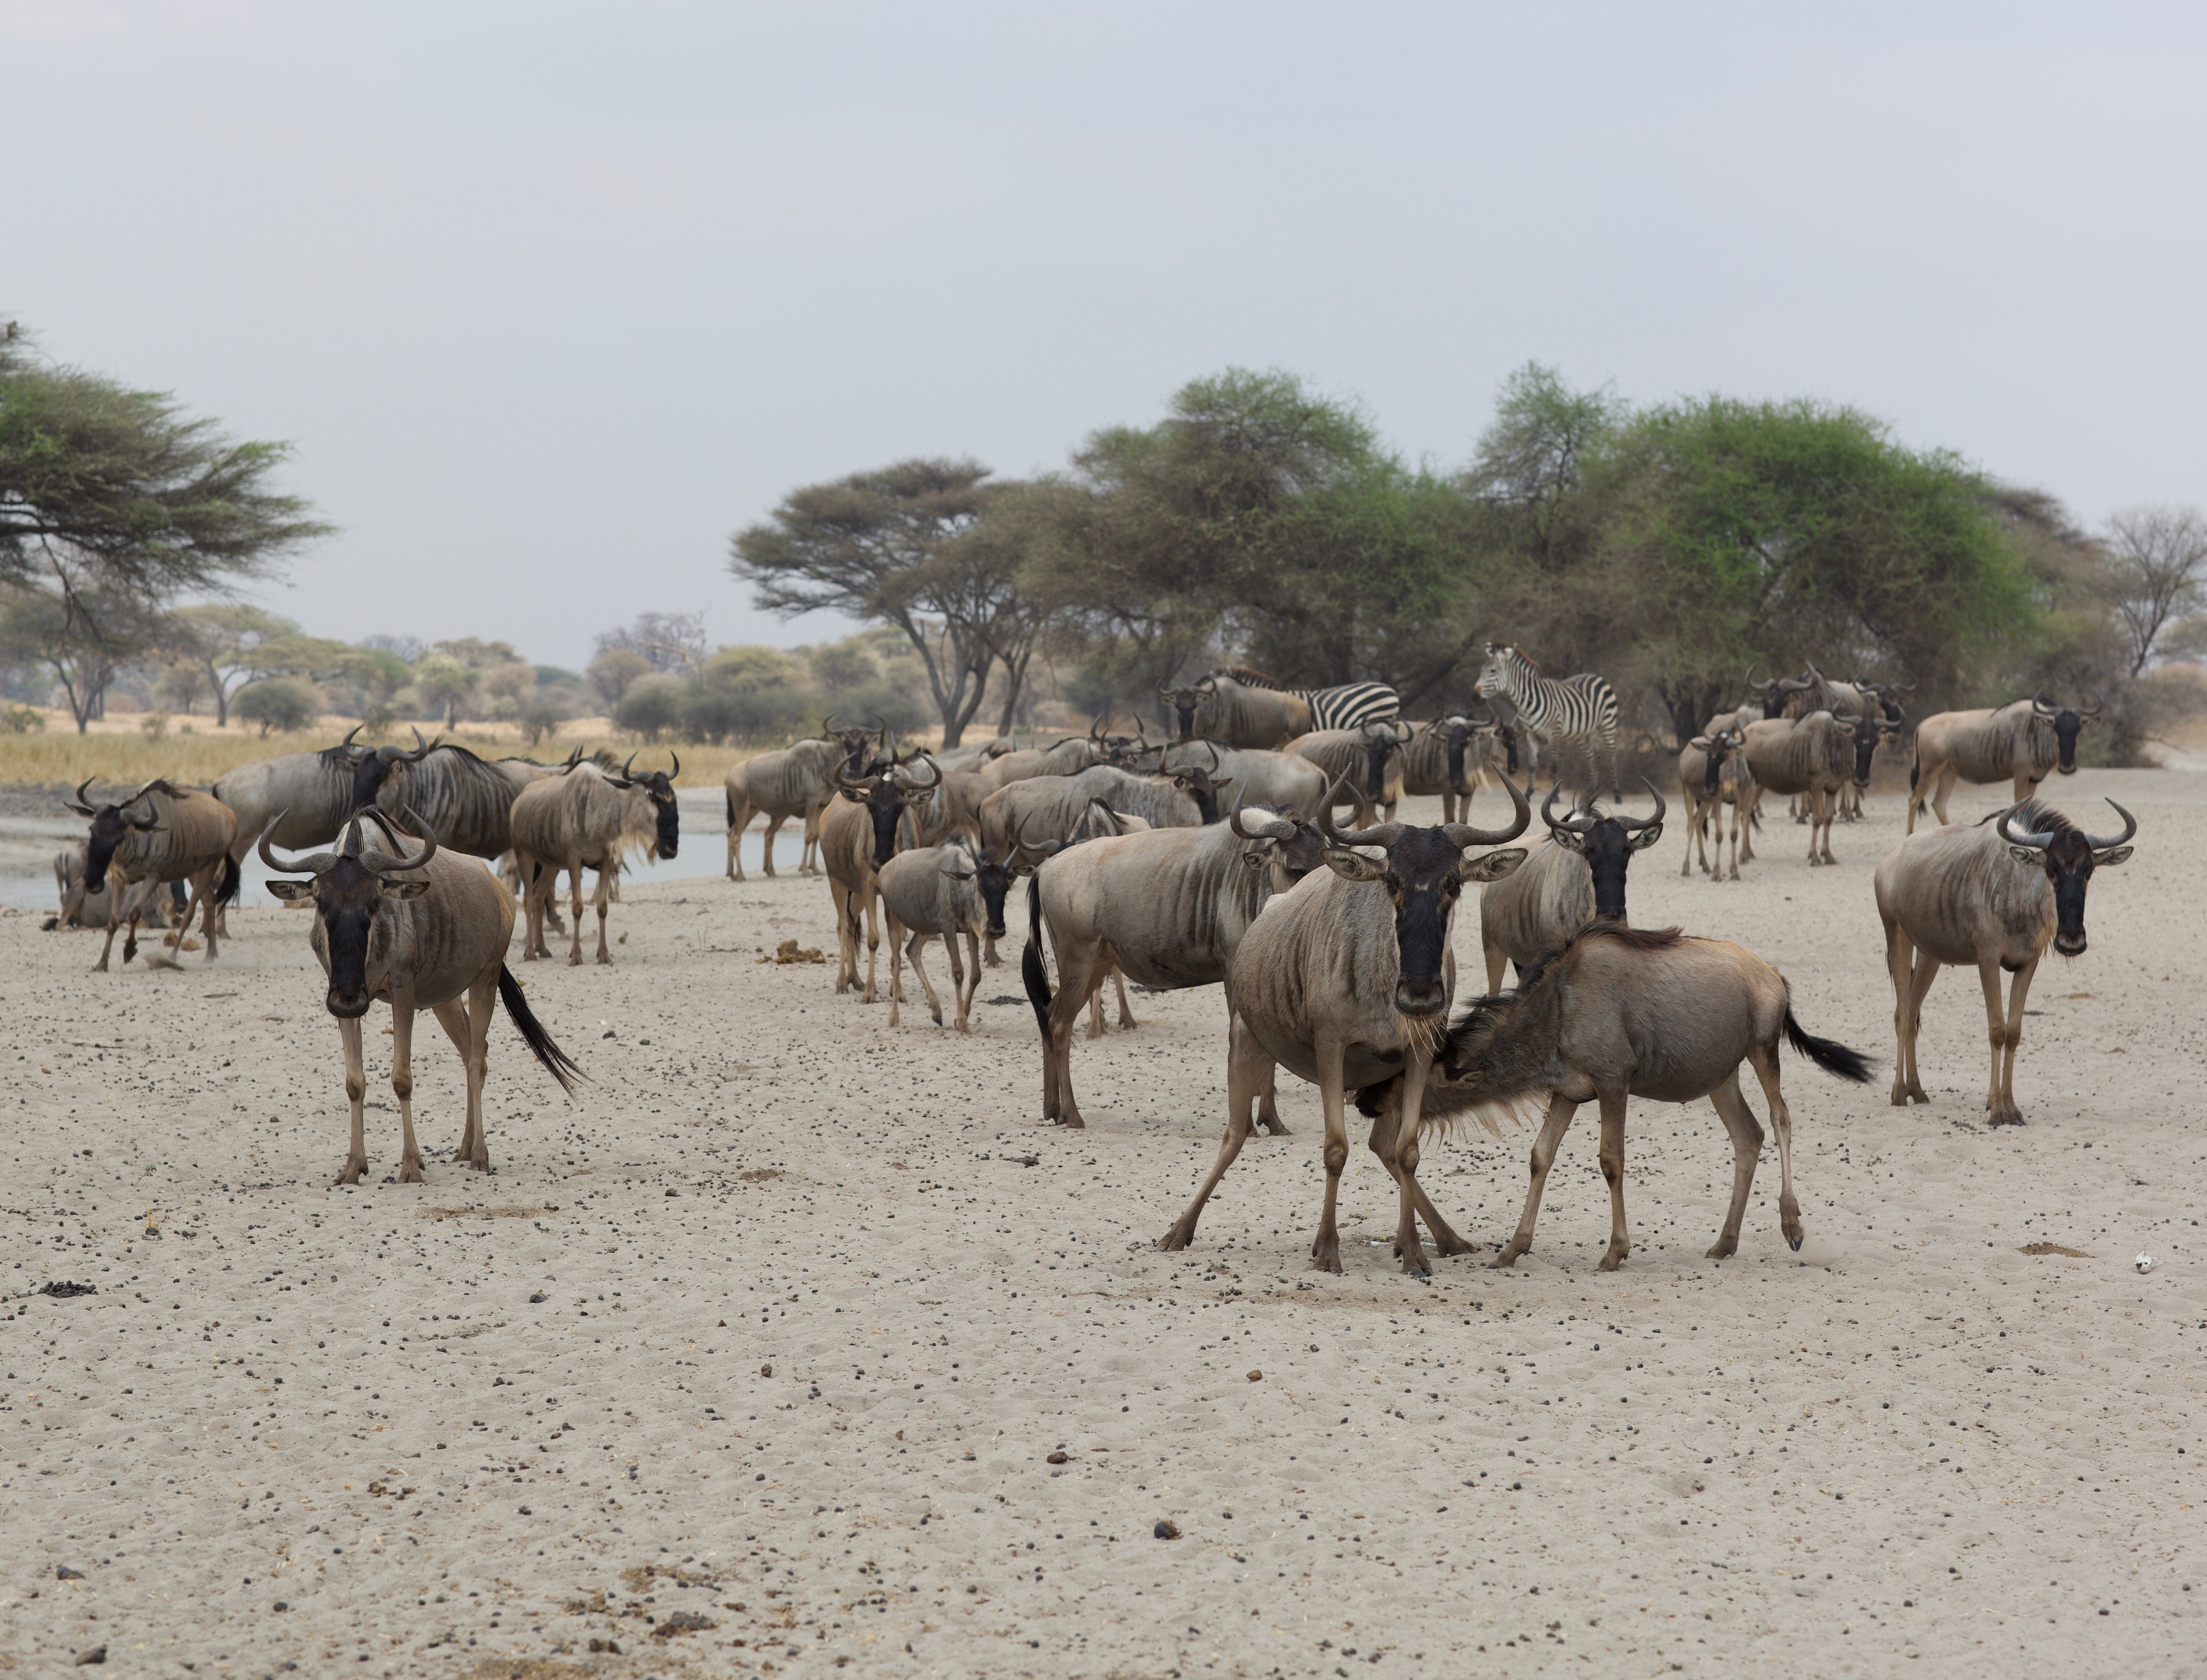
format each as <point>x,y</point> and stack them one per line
<point>1623,1013</point>
<point>185,834</point>
<point>584,818</point>
<point>1169,906</point>
<point>1992,895</point>
<point>1577,877</point>
<point>1815,755</point>
<point>1345,980</point>
<point>859,832</point>
<point>2018,742</point>
<point>952,890</point>
<point>1713,773</point>
<point>417,932</point>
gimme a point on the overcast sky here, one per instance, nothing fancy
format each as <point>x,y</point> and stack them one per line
<point>552,298</point>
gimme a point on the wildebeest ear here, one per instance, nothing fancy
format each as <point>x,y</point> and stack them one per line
<point>1643,838</point>
<point>855,798</point>
<point>291,891</point>
<point>2029,856</point>
<point>1495,864</point>
<point>2106,859</point>
<point>404,891</point>
<point>1260,858</point>
<point>1700,743</point>
<point>1354,865</point>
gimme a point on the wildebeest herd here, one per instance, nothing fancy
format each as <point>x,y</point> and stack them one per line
<point>1210,857</point>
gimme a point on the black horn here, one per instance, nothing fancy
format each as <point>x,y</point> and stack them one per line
<point>1464,835</point>
<point>1655,822</point>
<point>77,804</point>
<point>2103,842</point>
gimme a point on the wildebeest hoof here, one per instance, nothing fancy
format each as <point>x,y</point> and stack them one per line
<point>1794,1240</point>
<point>410,1173</point>
<point>1272,1124</point>
<point>351,1173</point>
<point>1611,1261</point>
<point>1724,1249</point>
<point>1182,1234</point>
<point>937,1014</point>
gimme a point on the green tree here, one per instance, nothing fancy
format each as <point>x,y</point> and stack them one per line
<point>898,546</point>
<point>233,644</point>
<point>442,681</point>
<point>84,634</point>
<point>147,501</point>
<point>285,704</point>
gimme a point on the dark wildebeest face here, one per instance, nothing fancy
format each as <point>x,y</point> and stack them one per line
<point>885,793</point>
<point>1715,749</point>
<point>659,785</point>
<point>1459,732</point>
<point>2068,855</point>
<point>1382,741</point>
<point>111,826</point>
<point>1607,843</point>
<point>1507,733</point>
<point>372,768</point>
<point>1198,784</point>
<point>2066,721</point>
<point>356,899</point>
<point>1868,733</point>
<point>1285,844</point>
<point>1186,701</point>
<point>1424,873</point>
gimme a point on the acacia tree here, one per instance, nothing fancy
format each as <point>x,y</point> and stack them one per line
<point>233,644</point>
<point>84,634</point>
<point>899,546</point>
<point>2158,562</point>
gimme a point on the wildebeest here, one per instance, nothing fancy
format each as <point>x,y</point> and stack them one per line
<point>1365,765</point>
<point>313,792</point>
<point>796,781</point>
<point>1578,876</point>
<point>160,834</point>
<point>467,801</point>
<point>1169,906</point>
<point>938,891</point>
<point>80,909</point>
<point>585,818</point>
<point>1276,780</point>
<point>1240,709</point>
<point>1992,896</point>
<point>1623,1013</point>
<point>1448,757</point>
<point>1064,758</point>
<point>1814,755</point>
<point>1345,980</point>
<point>1050,808</point>
<point>2018,742</point>
<point>419,932</point>
<point>1712,775</point>
<point>859,832</point>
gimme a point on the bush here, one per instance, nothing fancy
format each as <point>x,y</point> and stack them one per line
<point>153,725</point>
<point>899,711</point>
<point>651,707</point>
<point>539,718</point>
<point>22,719</point>
<point>283,703</point>
<point>718,715</point>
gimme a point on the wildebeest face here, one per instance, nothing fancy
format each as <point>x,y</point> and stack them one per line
<point>1607,843</point>
<point>2066,723</point>
<point>884,805</point>
<point>357,931</point>
<point>111,826</point>
<point>1424,873</point>
<point>369,771</point>
<point>994,878</point>
<point>1867,734</point>
<point>2069,856</point>
<point>1713,750</point>
<point>1198,787</point>
<point>1377,750</point>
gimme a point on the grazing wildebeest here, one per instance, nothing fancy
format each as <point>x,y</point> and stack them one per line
<point>861,832</point>
<point>796,781</point>
<point>1050,808</point>
<point>1992,895</point>
<point>1276,780</point>
<point>1365,765</point>
<point>1345,980</point>
<point>1448,757</point>
<point>160,834</point>
<point>1169,906</point>
<point>935,891</point>
<point>1814,755</point>
<point>1713,773</point>
<point>1623,1013</point>
<point>314,791</point>
<point>1241,709</point>
<point>584,818</point>
<point>1576,877</point>
<point>102,909</point>
<point>419,932</point>
<point>2018,742</point>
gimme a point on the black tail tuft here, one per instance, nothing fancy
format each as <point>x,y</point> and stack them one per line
<point>1915,770</point>
<point>556,1062</point>
<point>1827,1053</point>
<point>730,798</point>
<point>226,892</point>
<point>1031,970</point>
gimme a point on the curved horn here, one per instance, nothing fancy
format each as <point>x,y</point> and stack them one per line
<point>852,784</point>
<point>628,767</point>
<point>923,757</point>
<point>2092,711</point>
<point>1168,693</point>
<point>1464,835</point>
<point>77,804</point>
<point>1749,678</point>
<point>2041,706</point>
<point>1206,685</point>
<point>1096,729</point>
<point>828,726</point>
<point>1573,824</point>
<point>1275,828</point>
<point>2101,842</point>
<point>351,733</point>
<point>1647,821</point>
<point>2036,842</point>
<point>379,863</point>
<point>677,770</point>
<point>315,864</point>
<point>1214,759</point>
<point>1383,834</point>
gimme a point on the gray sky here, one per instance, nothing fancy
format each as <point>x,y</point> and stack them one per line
<point>552,298</point>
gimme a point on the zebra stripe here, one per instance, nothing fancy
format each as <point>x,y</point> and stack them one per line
<point>1345,705</point>
<point>1581,709</point>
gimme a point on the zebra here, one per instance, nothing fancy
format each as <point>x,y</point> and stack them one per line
<point>1579,708</point>
<point>1346,706</point>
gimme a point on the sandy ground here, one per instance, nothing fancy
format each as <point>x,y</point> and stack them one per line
<point>754,1357</point>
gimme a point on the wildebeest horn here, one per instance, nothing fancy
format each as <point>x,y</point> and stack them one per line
<point>677,770</point>
<point>2092,711</point>
<point>855,784</point>
<point>351,733</point>
<point>923,757</point>
<point>1647,821</point>
<point>1462,833</point>
<point>2038,842</point>
<point>827,726</point>
<point>1274,827</point>
<point>1793,685</point>
<point>381,862</point>
<point>1573,824</point>
<point>312,864</point>
<point>1167,691</point>
<point>2042,707</point>
<point>1214,755</point>
<point>77,804</point>
<point>1383,834</point>
<point>1206,685</point>
<point>2101,842</point>
<point>1750,677</point>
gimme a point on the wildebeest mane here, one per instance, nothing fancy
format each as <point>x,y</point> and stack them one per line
<point>2032,816</point>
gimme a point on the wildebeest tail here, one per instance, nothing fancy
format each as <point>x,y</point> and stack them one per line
<point>1827,1053</point>
<point>226,892</point>
<point>1032,969</point>
<point>1915,769</point>
<point>731,799</point>
<point>556,1062</point>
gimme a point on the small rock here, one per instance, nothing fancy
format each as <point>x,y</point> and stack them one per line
<point>766,1371</point>
<point>93,1658</point>
<point>1256,1376</point>
<point>1055,1458</point>
<point>1167,1529</point>
<point>538,1299</point>
<point>279,1604</point>
<point>525,1511</point>
<point>65,1573</point>
<point>607,1033</point>
<point>67,1291</point>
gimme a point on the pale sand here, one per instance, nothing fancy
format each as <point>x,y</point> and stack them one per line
<point>1910,1440</point>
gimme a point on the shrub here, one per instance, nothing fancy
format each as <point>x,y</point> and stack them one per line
<point>718,715</point>
<point>22,719</point>
<point>651,707</point>
<point>539,718</point>
<point>153,725</point>
<point>283,703</point>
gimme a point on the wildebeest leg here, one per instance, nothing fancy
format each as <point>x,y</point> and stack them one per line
<point>808,860</point>
<point>1738,822</point>
<point>1560,1110</point>
<point>1127,1021</point>
<point>575,908</point>
<point>988,955</point>
<point>1096,1007</point>
<point>205,886</point>
<point>1401,1160</point>
<point>609,875</point>
<point>401,1082</point>
<point>1496,959</point>
<point>872,899</point>
<point>1750,802</point>
<point>1764,1059</point>
<point>130,927</point>
<point>1746,1149</point>
<point>846,942</point>
<point>1613,1168</point>
<point>1948,774</point>
<point>1326,1252</point>
<point>2006,1035</point>
<point>1693,829</point>
<point>965,976</point>
<point>912,949</point>
<point>1247,1064</point>
<point>1827,804</point>
<point>470,1031</point>
<point>1078,973</point>
<point>355,1161</point>
<point>1900,955</point>
<point>774,822</point>
<point>740,818</point>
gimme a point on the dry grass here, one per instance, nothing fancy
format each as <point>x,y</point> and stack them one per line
<point>119,752</point>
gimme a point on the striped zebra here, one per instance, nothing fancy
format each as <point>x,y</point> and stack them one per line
<point>1581,708</point>
<point>1347,706</point>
